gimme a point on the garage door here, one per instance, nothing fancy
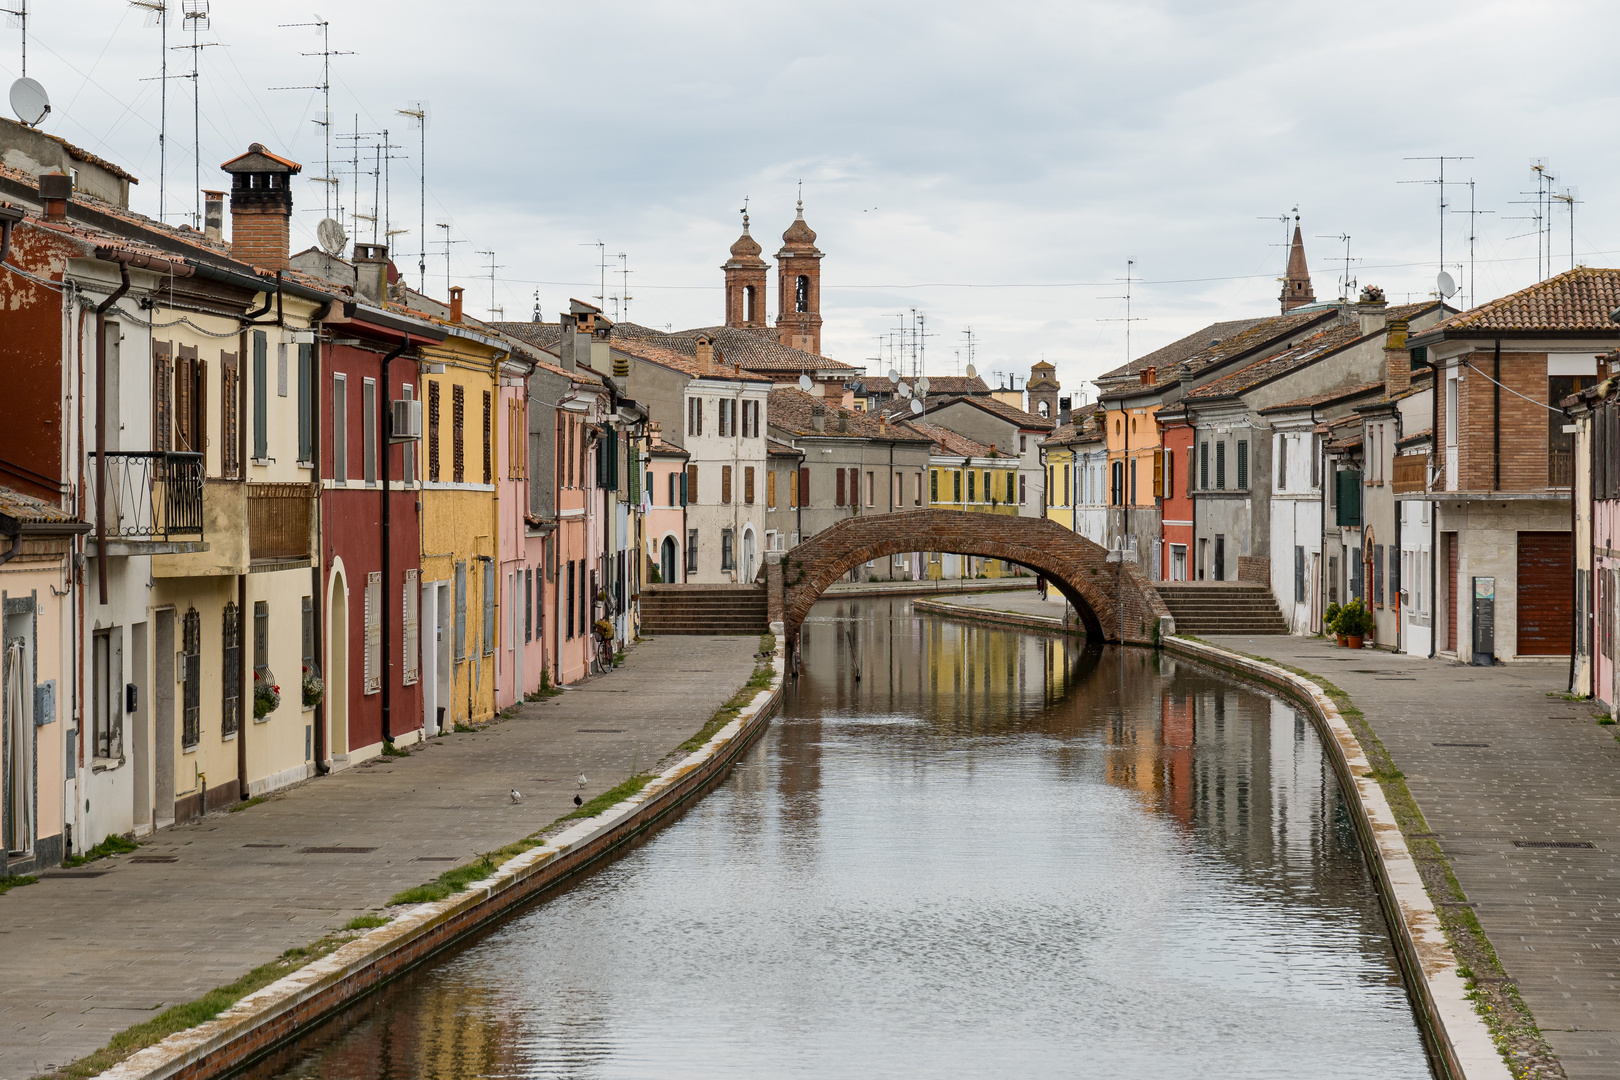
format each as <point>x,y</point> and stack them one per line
<point>1546,593</point>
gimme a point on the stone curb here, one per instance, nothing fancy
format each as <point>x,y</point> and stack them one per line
<point>1459,1041</point>
<point>929,588</point>
<point>276,1013</point>
<point>1041,624</point>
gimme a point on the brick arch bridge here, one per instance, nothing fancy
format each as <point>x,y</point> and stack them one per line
<point>1077,567</point>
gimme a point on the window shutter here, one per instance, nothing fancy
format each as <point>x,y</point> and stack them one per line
<point>411,653</point>
<point>162,395</point>
<point>461,610</point>
<point>373,613</point>
<point>306,404</point>
<point>1158,474</point>
<point>1220,466</point>
<point>1299,574</point>
<point>489,449</point>
<point>1203,466</point>
<point>634,454</point>
<point>725,481</point>
<point>229,408</point>
<point>839,497</point>
<point>690,493</point>
<point>770,489</point>
<point>804,487</point>
<point>1378,573</point>
<point>458,433</point>
<point>433,432</point>
<point>489,606</point>
<point>261,395</point>
<point>1348,492</point>
<point>748,484</point>
<point>1243,465</point>
<point>1282,462</point>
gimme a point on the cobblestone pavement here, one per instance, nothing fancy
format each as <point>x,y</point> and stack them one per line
<point>86,953</point>
<point>1491,760</point>
<point>1018,603</point>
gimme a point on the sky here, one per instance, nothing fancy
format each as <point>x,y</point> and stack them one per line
<point>1002,168</point>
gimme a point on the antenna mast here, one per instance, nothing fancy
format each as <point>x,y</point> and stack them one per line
<point>20,13</point>
<point>492,267</point>
<point>624,272</point>
<point>1441,183</point>
<point>1473,236</point>
<point>1346,286</point>
<point>1569,198</point>
<point>419,112</point>
<point>158,11</point>
<point>1130,276</point>
<point>445,225</point>
<point>323,28</point>
<point>195,18</point>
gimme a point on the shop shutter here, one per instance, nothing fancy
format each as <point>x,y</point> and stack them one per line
<point>1546,575</point>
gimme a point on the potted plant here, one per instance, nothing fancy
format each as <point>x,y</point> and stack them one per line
<point>1355,622</point>
<point>266,694</point>
<point>1330,621</point>
<point>314,689</point>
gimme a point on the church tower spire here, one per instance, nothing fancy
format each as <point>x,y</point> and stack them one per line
<point>745,281</point>
<point>1296,290</point>
<point>798,287</point>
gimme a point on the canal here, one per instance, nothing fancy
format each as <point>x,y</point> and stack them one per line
<point>958,852</point>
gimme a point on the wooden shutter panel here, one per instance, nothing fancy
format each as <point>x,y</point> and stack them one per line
<point>162,395</point>
<point>725,481</point>
<point>229,410</point>
<point>804,487</point>
<point>748,483</point>
<point>1158,474</point>
<point>691,493</point>
<point>842,480</point>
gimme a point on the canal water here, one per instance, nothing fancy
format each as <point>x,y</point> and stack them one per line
<point>958,852</point>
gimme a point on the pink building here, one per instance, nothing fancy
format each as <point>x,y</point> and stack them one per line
<point>665,510</point>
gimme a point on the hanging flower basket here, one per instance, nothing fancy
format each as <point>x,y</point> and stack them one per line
<point>604,629</point>
<point>266,694</point>
<point>314,688</point>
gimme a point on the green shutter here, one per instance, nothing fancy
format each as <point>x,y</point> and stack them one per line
<point>306,403</point>
<point>635,475</point>
<point>1349,492</point>
<point>261,392</point>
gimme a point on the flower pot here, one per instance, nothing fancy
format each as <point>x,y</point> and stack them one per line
<point>1355,641</point>
<point>1343,641</point>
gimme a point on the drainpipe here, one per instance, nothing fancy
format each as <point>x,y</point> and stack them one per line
<point>1580,624</point>
<point>1496,418</point>
<point>243,665</point>
<point>1434,509</point>
<point>386,427</point>
<point>317,593</point>
<point>101,425</point>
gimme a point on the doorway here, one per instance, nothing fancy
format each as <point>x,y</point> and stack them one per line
<point>668,560</point>
<point>337,668</point>
<point>748,555</point>
<point>163,719</point>
<point>142,734</point>
<point>442,667</point>
<point>1220,556</point>
<point>18,736</point>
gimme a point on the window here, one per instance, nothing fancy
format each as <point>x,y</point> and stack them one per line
<point>801,293</point>
<point>690,495</point>
<point>528,601</point>
<point>461,610</point>
<point>191,675</point>
<point>540,600</point>
<point>1299,574</point>
<point>308,628</point>
<point>973,486</point>
<point>691,551</point>
<point>368,428</point>
<point>750,419</point>
<point>1116,483</point>
<point>675,489</point>
<point>1282,463</point>
<point>1133,481</point>
<point>748,484</point>
<point>458,434</point>
<point>340,429</point>
<point>726,554</point>
<point>1243,464</point>
<point>694,416</point>
<point>1378,574</point>
<point>871,489</point>
<point>770,488</point>
<point>725,480</point>
<point>933,485</point>
<point>1220,466</point>
<point>489,607</point>
<point>1333,579</point>
<point>373,628</point>
<point>1023,494</point>
<point>407,455</point>
<point>1316,462</point>
<point>261,638</point>
<point>433,432</point>
<point>1065,488</point>
<point>489,448</point>
<point>1203,466</point>
<point>841,481</point>
<point>261,397</point>
<point>918,494</point>
<point>586,595</point>
<point>411,668</point>
<point>516,424</point>
<point>728,418</point>
<point>306,401</point>
<point>568,600</point>
<point>107,663</point>
<point>1349,499</point>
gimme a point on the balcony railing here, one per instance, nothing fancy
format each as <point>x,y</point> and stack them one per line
<point>1560,467</point>
<point>278,520</point>
<point>151,495</point>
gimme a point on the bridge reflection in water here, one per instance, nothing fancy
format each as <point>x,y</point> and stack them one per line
<point>991,854</point>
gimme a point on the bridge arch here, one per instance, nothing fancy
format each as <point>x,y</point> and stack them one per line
<point>1114,600</point>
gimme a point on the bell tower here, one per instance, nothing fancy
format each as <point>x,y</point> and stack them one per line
<point>1043,390</point>
<point>798,287</point>
<point>745,282</point>
<point>1296,290</point>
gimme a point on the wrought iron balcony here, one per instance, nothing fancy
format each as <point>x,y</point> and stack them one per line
<point>151,495</point>
<point>278,520</point>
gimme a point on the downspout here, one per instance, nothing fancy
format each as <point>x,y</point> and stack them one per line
<point>317,593</point>
<point>1496,418</point>
<point>1580,625</point>
<point>1434,508</point>
<point>101,425</point>
<point>243,665</point>
<point>386,427</point>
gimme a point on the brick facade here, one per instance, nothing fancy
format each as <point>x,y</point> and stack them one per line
<point>1523,423</point>
<point>1078,567</point>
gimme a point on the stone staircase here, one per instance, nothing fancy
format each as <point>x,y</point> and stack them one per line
<point>1222,607</point>
<point>703,609</point>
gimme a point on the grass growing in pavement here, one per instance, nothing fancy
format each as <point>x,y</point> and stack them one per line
<point>390,750</point>
<point>611,797</point>
<point>725,714</point>
<point>255,801</point>
<point>113,845</point>
<point>366,922</point>
<point>16,881</point>
<point>1496,999</point>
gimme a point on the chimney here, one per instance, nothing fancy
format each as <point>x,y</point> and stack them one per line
<point>818,416</point>
<point>705,354</point>
<point>1065,411</point>
<point>455,300</point>
<point>843,420</point>
<point>655,431</point>
<point>578,327</point>
<point>261,207</point>
<point>371,272</point>
<point>214,214</point>
<point>1370,312</point>
<point>55,192</point>
<point>1397,359</point>
<point>1150,375</point>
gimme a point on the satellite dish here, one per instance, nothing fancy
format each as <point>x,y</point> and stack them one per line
<point>922,384</point>
<point>894,376</point>
<point>330,235</point>
<point>973,372</point>
<point>905,391</point>
<point>1447,287</point>
<point>30,101</point>
<point>804,383</point>
<point>916,407</point>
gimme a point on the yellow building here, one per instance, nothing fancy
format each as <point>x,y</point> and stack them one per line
<point>971,477</point>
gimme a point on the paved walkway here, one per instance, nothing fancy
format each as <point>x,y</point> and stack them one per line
<point>1491,760</point>
<point>86,953</point>
<point>1015,603</point>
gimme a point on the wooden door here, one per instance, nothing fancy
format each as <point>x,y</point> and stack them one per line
<point>1546,593</point>
<point>1449,542</point>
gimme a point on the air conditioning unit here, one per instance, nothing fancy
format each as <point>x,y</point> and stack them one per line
<point>406,421</point>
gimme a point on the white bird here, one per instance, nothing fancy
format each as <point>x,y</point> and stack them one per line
<point>517,796</point>
<point>582,780</point>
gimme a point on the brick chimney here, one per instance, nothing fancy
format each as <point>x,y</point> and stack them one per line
<point>1150,375</point>
<point>818,416</point>
<point>705,354</point>
<point>371,272</point>
<point>1397,358</point>
<point>261,207</point>
<point>55,192</point>
<point>1370,315</point>
<point>455,303</point>
<point>214,214</point>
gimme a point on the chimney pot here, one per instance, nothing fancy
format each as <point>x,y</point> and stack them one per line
<point>55,192</point>
<point>455,303</point>
<point>214,214</point>
<point>1150,375</point>
<point>261,207</point>
<point>1065,410</point>
<point>818,416</point>
<point>371,272</point>
<point>705,355</point>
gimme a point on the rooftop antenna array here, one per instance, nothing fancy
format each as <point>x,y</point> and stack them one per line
<point>1440,182</point>
<point>418,112</point>
<point>624,296</point>
<point>324,29</point>
<point>1569,198</point>
<point>354,139</point>
<point>381,204</point>
<point>492,267</point>
<point>157,14</point>
<point>972,372</point>
<point>601,265</point>
<point>1347,284</point>
<point>445,225</point>
<point>1473,237</point>
<point>1287,240</point>
<point>18,16</point>
<point>194,17</point>
<point>28,99</point>
<point>1130,278</point>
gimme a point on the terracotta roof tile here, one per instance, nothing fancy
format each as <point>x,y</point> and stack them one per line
<point>947,441</point>
<point>790,411</point>
<point>26,508</point>
<point>754,350</point>
<point>1322,399</point>
<point>1576,300</point>
<point>997,407</point>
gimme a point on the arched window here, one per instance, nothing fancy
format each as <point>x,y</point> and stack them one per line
<point>1044,408</point>
<point>750,298</point>
<point>801,293</point>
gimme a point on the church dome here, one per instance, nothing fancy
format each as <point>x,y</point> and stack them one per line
<point>799,234</point>
<point>746,246</point>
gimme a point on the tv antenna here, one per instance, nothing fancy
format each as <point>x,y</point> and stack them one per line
<point>1569,198</point>
<point>1473,237</point>
<point>157,14</point>
<point>1347,285</point>
<point>354,139</point>
<point>194,17</point>
<point>492,267</point>
<point>1440,182</point>
<point>1130,277</point>
<point>972,372</point>
<point>18,16</point>
<point>418,112</point>
<point>380,198</point>
<point>624,297</point>
<point>324,29</point>
<point>445,225</point>
<point>601,251</point>
<point>28,99</point>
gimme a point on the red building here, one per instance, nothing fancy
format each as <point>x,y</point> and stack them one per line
<point>1173,477</point>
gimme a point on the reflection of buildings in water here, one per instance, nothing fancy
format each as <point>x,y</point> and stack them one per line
<point>457,1033</point>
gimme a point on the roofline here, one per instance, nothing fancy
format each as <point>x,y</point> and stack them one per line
<point>1433,337</point>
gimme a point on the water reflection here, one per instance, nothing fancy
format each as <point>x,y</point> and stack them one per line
<point>959,852</point>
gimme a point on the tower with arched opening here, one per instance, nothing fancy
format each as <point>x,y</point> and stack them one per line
<point>745,283</point>
<point>798,293</point>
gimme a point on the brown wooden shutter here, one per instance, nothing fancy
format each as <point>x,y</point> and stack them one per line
<point>458,432</point>
<point>489,437</point>
<point>842,480</point>
<point>725,481</point>
<point>229,410</point>
<point>1158,474</point>
<point>770,489</point>
<point>185,399</point>
<point>162,395</point>
<point>1545,584</point>
<point>748,483</point>
<point>200,415</point>
<point>691,484</point>
<point>804,487</point>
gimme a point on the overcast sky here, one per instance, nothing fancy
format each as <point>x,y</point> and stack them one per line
<point>990,165</point>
